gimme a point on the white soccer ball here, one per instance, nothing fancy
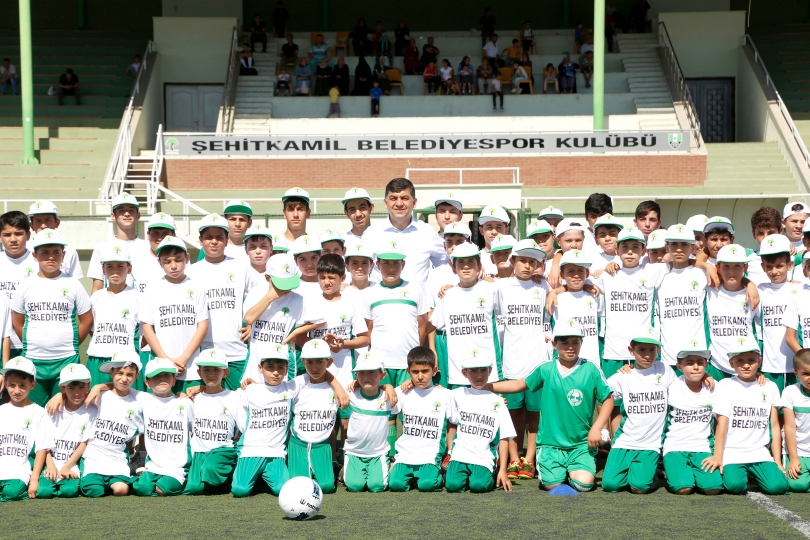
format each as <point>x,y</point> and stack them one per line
<point>300,498</point>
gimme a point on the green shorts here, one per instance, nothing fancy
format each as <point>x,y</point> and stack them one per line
<point>395,377</point>
<point>273,473</point>
<point>611,367</point>
<point>554,464</point>
<point>781,380</point>
<point>96,375</point>
<point>313,461</point>
<point>210,470</point>
<point>463,476</point>
<point>147,484</point>
<point>13,490</point>
<point>234,378</point>
<point>442,363</point>
<point>524,400</point>
<point>365,473</point>
<point>48,378</point>
<point>98,485</point>
<point>802,483</point>
<point>716,373</point>
<point>66,488</point>
<point>684,470</point>
<point>634,468</point>
<point>771,480</point>
<point>428,477</point>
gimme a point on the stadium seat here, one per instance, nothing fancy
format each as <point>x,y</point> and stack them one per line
<point>528,70</point>
<point>342,42</point>
<point>395,78</point>
<point>506,77</point>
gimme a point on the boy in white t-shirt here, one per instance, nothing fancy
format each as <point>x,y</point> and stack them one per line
<point>577,303</point>
<point>158,227</point>
<point>657,246</point>
<point>307,250</point>
<point>359,265</point>
<point>568,235</point>
<point>366,447</point>
<point>226,280</point>
<point>796,413</point>
<point>51,315</point>
<point>17,263</point>
<point>295,202</point>
<point>478,432</point>
<point>357,206</point>
<point>174,314</point>
<point>794,216</point>
<point>67,439</point>
<point>44,215</point>
<point>543,234</point>
<point>259,247</point>
<point>23,429</point>
<point>606,230</point>
<point>492,222</point>
<point>115,315</point>
<point>747,439</point>
<point>448,210</point>
<point>332,242</point>
<point>239,216</point>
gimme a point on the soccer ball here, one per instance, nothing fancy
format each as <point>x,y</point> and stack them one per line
<point>300,498</point>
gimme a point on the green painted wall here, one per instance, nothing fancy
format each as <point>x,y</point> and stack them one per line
<point>193,49</point>
<point>99,14</point>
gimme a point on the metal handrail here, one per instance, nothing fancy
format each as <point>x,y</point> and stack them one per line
<point>231,78</point>
<point>779,102</point>
<point>684,95</point>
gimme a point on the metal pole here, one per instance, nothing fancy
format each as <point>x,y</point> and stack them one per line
<point>27,83</point>
<point>598,64</point>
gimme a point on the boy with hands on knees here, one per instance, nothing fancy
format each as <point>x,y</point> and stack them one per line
<point>796,412</point>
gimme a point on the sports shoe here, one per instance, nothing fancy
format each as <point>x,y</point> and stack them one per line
<point>340,479</point>
<point>494,109</point>
<point>526,469</point>
<point>501,108</point>
<point>137,464</point>
<point>513,470</point>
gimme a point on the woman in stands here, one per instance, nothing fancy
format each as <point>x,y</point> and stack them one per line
<point>431,78</point>
<point>518,75</point>
<point>323,78</point>
<point>447,75</point>
<point>412,64</point>
<point>567,71</point>
<point>361,43</point>
<point>341,75</point>
<point>303,78</point>
<point>466,73</point>
<point>362,77</point>
<point>381,75</point>
<point>402,35</point>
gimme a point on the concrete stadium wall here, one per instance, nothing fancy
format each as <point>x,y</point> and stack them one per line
<point>148,109</point>
<point>706,43</point>
<point>753,122</point>
<point>193,49</point>
<point>202,8</point>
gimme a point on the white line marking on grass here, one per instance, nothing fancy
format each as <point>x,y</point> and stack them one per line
<point>794,520</point>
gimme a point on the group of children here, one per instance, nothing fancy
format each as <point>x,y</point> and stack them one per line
<point>293,355</point>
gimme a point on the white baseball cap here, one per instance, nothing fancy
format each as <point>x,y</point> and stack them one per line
<point>657,239</point>
<point>452,200</point>
<point>280,243</point>
<point>773,244</point>
<point>575,257</point>
<point>567,328</point>
<point>22,364</point>
<point>356,193</point>
<point>259,230</point>
<point>315,348</point>
<point>391,252</point>
<point>122,359</point>
<point>358,249</point>
<point>42,207</point>
<point>74,373</point>
<point>648,334</point>
<point>124,198</point>
<point>211,358</point>
<point>161,220</point>
<point>156,366</point>
<point>276,351</point>
<point>550,211</point>
<point>793,208</point>
<point>462,251</point>
<point>732,253</point>
<point>114,253</point>
<point>607,220</point>
<point>329,235</point>
<point>718,223</point>
<point>283,271</point>
<point>475,359</point>
<point>631,233</point>
<point>492,212</point>
<point>457,227</point>
<point>296,192</point>
<point>214,220</point>
<point>680,233</point>
<point>743,345</point>
<point>170,241</point>
<point>528,248</point>
<point>540,226</point>
<point>305,244</point>
<point>502,242</point>
<point>570,224</point>
<point>697,222</point>
<point>47,237</point>
<point>703,353</point>
<point>238,207</point>
<point>368,362</point>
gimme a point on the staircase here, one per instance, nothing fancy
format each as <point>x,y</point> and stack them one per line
<point>647,83</point>
<point>753,167</point>
<point>254,107</point>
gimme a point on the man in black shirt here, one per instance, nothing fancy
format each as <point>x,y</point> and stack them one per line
<point>68,86</point>
<point>280,18</point>
<point>258,33</point>
<point>289,51</point>
<point>487,23</point>
<point>430,53</point>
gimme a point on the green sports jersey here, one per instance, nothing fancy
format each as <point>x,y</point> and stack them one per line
<point>569,398</point>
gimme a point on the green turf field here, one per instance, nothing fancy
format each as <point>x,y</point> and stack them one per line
<point>524,513</point>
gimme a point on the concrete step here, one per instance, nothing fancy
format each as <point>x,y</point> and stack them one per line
<point>249,99</point>
<point>654,110</point>
<point>252,118</point>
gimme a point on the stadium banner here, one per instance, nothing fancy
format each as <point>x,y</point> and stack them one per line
<point>281,146</point>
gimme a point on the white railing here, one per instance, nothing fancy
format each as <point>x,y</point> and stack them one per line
<point>119,161</point>
<point>553,198</point>
<point>682,90</point>
<point>313,201</point>
<point>514,170</point>
<point>779,102</point>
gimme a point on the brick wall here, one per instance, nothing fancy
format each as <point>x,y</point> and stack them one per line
<point>549,171</point>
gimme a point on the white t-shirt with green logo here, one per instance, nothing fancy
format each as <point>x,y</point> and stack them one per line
<point>689,418</point>
<point>771,317</point>
<point>423,417</point>
<point>344,318</point>
<point>482,421</point>
<point>216,418</point>
<point>225,284</point>
<point>6,327</point>
<point>798,315</point>
<point>522,307</point>
<point>367,435</point>
<point>174,311</point>
<point>167,422</point>
<point>264,416</point>
<point>583,308</point>
<point>680,309</point>
<point>22,430</point>
<point>140,255</point>
<point>644,406</point>
<point>730,319</point>
<point>115,322</point>
<point>796,398</point>
<point>438,278</point>
<point>314,410</point>
<point>119,420</point>
<point>51,308</point>
<point>467,316</point>
<point>68,429</point>
<point>12,273</point>
<point>747,405</point>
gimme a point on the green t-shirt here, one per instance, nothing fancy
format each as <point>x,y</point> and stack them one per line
<point>567,401</point>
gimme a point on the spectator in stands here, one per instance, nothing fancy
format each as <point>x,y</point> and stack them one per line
<point>527,36</point>
<point>283,81</point>
<point>258,33</point>
<point>375,92</point>
<point>334,95</point>
<point>513,53</point>
<point>639,15</point>
<point>384,49</point>
<point>495,89</point>
<point>616,16</point>
<point>323,78</point>
<point>453,88</point>
<point>361,43</point>
<point>466,76</point>
<point>430,53</point>
<point>518,75</point>
<point>280,18</point>
<point>376,36</point>
<point>567,72</point>
<point>341,76</point>
<point>485,74</point>
<point>319,50</point>
<point>8,75</point>
<point>526,62</point>
<point>550,77</point>
<point>447,75</point>
<point>246,61</point>
<point>586,67</point>
<point>579,36</point>
<point>68,86</point>
<point>610,28</point>
<point>133,68</point>
<point>491,50</point>
<point>588,45</point>
<point>362,77</point>
<point>411,61</point>
<point>431,76</point>
<point>381,75</point>
<point>303,76</point>
<point>402,36</point>
<point>289,51</point>
<point>487,24</point>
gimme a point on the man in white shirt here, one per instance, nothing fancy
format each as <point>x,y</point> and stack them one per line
<point>422,246</point>
<point>491,49</point>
